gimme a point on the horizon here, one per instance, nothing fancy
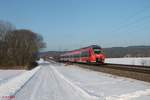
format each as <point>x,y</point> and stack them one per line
<point>42,51</point>
<point>71,24</point>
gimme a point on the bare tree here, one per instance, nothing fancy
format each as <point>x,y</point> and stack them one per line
<point>23,46</point>
<point>4,28</point>
<point>18,47</point>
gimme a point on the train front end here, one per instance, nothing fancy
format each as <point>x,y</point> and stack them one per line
<point>98,55</point>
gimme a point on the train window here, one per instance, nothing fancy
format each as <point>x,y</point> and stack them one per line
<point>85,54</point>
<point>73,56</point>
<point>76,55</point>
<point>97,50</point>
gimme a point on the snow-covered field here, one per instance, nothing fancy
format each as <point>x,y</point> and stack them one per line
<point>106,86</point>
<point>5,75</point>
<point>14,84</point>
<point>53,81</point>
<point>145,61</point>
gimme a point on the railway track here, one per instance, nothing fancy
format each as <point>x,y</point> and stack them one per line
<point>134,68</point>
<point>131,71</point>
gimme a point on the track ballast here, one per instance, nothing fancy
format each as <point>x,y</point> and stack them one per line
<point>131,71</point>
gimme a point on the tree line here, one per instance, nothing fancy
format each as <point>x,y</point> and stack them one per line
<point>18,47</point>
<point>130,51</point>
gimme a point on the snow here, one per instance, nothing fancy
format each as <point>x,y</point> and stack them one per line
<point>48,84</point>
<point>40,61</point>
<point>106,86</point>
<point>5,75</point>
<point>145,61</point>
<point>13,85</point>
<point>9,73</point>
<point>85,94</point>
<point>54,81</point>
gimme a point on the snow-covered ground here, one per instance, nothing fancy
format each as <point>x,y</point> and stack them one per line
<point>5,75</point>
<point>53,81</point>
<point>106,86</point>
<point>15,84</point>
<point>145,61</point>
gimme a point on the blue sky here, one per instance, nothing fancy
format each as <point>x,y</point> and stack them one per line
<point>71,24</point>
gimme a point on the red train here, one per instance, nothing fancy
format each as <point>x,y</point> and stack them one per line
<point>90,54</point>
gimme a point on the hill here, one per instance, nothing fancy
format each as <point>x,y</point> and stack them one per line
<point>130,51</point>
<point>113,52</point>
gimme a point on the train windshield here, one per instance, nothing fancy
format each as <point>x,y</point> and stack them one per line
<point>97,50</point>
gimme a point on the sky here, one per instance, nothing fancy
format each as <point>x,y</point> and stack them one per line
<point>72,24</point>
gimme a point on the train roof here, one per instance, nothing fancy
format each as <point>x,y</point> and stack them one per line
<point>91,46</point>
